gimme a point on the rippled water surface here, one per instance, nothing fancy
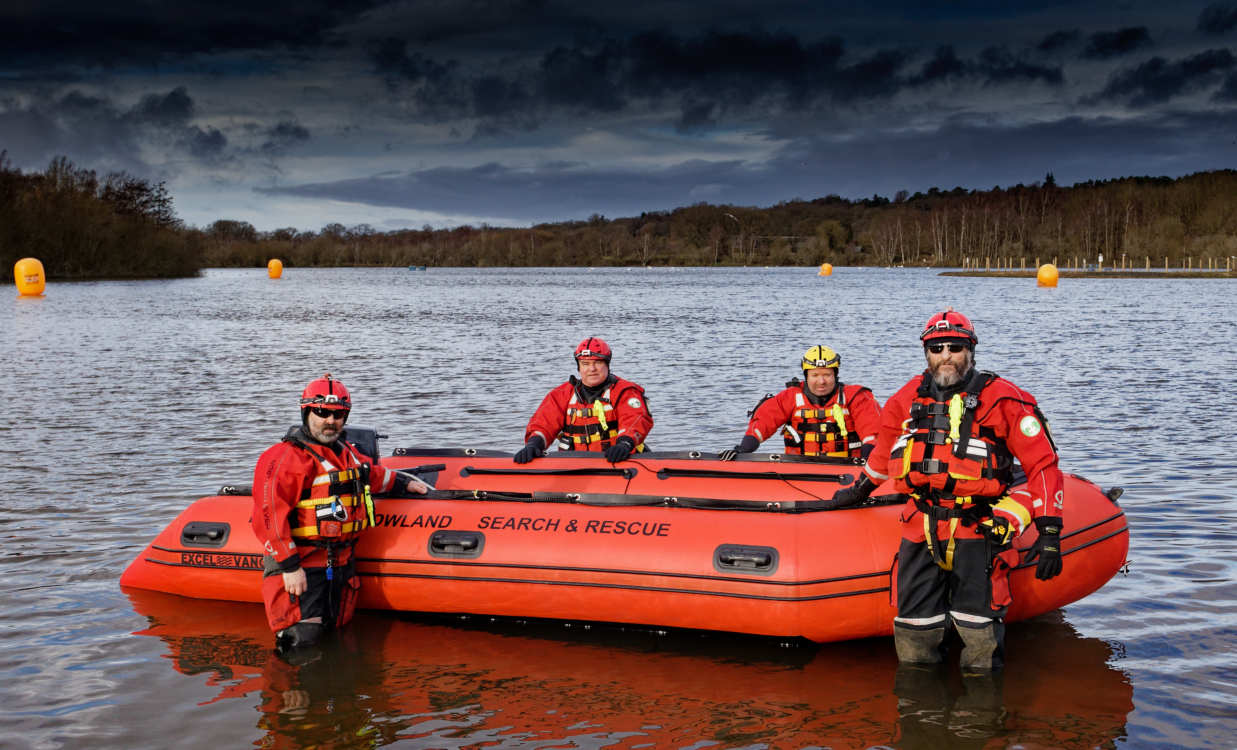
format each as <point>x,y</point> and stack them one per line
<point>127,400</point>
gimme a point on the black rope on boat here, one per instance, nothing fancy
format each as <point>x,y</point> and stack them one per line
<point>666,501</point>
<point>842,479</point>
<point>594,472</point>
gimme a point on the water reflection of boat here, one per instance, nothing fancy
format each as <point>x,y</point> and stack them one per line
<point>674,540</point>
<point>392,680</point>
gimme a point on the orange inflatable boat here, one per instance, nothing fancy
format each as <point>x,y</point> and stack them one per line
<point>664,539</point>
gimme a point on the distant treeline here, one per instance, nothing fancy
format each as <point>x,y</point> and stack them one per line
<point>1158,217</point>
<point>82,226</point>
<point>121,226</point>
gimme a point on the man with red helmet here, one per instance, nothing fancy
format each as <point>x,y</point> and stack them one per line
<point>594,412</point>
<point>819,417</point>
<point>949,438</point>
<point>311,501</point>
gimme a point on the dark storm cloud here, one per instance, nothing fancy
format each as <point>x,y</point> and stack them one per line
<point>283,135</point>
<point>583,78</point>
<point>1058,40</point>
<point>1228,91</point>
<point>1074,149</point>
<point>697,116</point>
<point>71,32</point>
<point>706,77</point>
<point>1105,44</point>
<point>95,130</point>
<point>1217,19</point>
<point>999,65</point>
<point>993,65</point>
<point>560,189</point>
<point>207,145</point>
<point>391,59</point>
<point>172,108</point>
<point>1158,80</point>
<point>943,66</point>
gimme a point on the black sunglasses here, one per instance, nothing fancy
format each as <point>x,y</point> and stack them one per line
<point>938,348</point>
<point>341,414</point>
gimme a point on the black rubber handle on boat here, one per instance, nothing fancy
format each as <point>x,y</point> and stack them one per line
<point>594,472</point>
<point>723,474</point>
<point>427,469</point>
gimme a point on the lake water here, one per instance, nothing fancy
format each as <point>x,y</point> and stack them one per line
<point>128,400</point>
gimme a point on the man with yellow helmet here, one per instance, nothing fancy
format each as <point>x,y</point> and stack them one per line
<point>819,416</point>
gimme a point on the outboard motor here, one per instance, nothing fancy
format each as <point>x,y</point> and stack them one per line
<point>364,440</point>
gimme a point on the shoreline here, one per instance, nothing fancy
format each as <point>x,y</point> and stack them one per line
<point>1127,274</point>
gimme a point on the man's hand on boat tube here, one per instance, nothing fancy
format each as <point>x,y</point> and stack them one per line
<point>747,445</point>
<point>534,448</point>
<point>621,449</point>
<point>409,484</point>
<point>295,582</point>
<point>417,486</point>
<point>854,494</point>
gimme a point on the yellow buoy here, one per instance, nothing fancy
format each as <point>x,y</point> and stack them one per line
<point>826,269</point>
<point>28,273</point>
<point>1046,275</point>
<point>274,268</point>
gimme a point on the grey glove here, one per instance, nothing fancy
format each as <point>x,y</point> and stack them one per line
<point>747,445</point>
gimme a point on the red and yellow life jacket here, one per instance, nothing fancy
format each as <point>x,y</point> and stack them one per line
<point>943,454</point>
<point>337,506</point>
<point>590,427</point>
<point>822,430</point>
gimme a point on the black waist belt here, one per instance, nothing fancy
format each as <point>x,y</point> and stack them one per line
<point>329,546</point>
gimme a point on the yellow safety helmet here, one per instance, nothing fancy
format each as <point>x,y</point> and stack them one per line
<point>820,356</point>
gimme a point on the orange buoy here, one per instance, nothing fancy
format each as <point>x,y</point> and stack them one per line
<point>1046,275</point>
<point>28,273</point>
<point>274,268</point>
<point>826,269</point>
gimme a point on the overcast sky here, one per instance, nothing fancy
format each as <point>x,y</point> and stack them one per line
<point>448,112</point>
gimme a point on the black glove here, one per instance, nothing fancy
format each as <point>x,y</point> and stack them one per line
<point>621,449</point>
<point>747,445</point>
<point>866,451</point>
<point>1047,548</point>
<point>852,495</point>
<point>534,448</point>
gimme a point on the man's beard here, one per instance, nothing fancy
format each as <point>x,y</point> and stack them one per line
<point>948,377</point>
<point>326,435</point>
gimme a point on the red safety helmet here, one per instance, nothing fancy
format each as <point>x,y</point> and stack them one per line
<point>326,392</point>
<point>593,348</point>
<point>949,325</point>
